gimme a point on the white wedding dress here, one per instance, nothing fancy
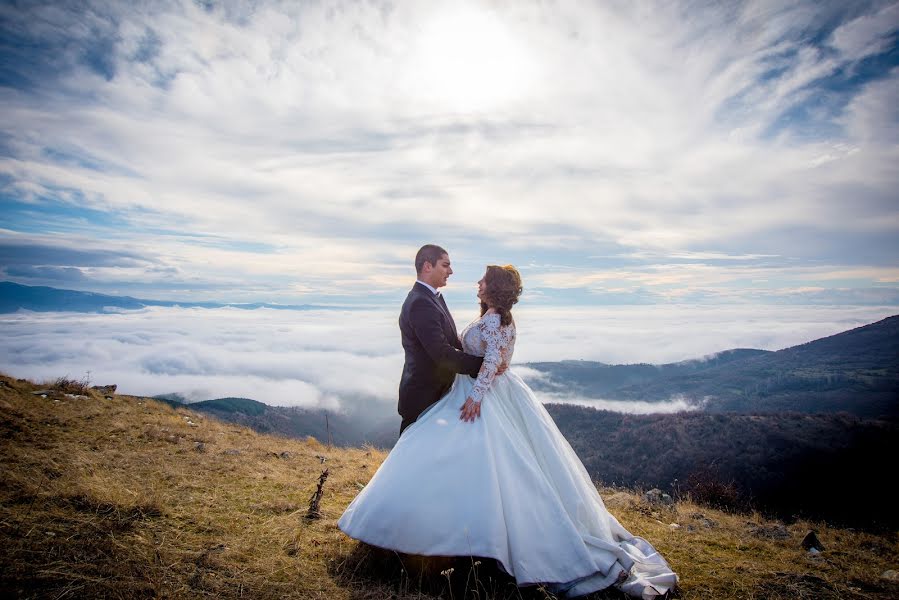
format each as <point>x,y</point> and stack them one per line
<point>507,486</point>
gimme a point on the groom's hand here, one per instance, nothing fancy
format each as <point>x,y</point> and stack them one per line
<point>502,368</point>
<point>471,410</point>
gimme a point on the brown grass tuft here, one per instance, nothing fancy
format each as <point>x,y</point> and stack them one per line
<point>125,498</point>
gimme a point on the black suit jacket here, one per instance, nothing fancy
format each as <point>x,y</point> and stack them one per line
<point>433,353</point>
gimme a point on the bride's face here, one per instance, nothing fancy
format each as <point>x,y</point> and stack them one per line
<point>482,287</point>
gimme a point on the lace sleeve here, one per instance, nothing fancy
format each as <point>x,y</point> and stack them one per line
<point>493,356</point>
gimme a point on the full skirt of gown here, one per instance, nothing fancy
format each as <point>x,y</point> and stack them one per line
<point>507,487</point>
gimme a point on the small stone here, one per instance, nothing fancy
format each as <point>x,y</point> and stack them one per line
<point>890,575</point>
<point>200,447</point>
<point>285,455</point>
<point>232,452</point>
<point>619,499</point>
<point>657,496</point>
<point>811,542</point>
<point>705,521</point>
<point>674,526</point>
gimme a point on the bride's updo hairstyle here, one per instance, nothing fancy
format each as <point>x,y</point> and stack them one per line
<point>502,289</point>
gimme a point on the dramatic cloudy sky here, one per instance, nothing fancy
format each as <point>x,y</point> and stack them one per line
<point>656,156</point>
<point>618,152</point>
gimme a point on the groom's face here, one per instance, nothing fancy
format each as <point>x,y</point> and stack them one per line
<point>439,272</point>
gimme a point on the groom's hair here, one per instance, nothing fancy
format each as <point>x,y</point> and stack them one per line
<point>428,253</point>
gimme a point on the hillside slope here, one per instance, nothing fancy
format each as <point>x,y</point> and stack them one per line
<point>131,498</point>
<point>783,464</point>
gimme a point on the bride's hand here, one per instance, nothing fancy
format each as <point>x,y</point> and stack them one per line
<point>471,410</point>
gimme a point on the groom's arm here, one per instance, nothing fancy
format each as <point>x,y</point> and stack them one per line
<point>426,320</point>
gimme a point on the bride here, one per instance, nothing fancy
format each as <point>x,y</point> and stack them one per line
<point>485,472</point>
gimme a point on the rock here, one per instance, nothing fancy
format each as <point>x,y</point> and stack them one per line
<point>618,499</point>
<point>200,447</point>
<point>106,390</point>
<point>43,393</point>
<point>704,520</point>
<point>657,496</point>
<point>232,452</point>
<point>890,575</point>
<point>674,526</point>
<point>811,542</point>
<point>285,455</point>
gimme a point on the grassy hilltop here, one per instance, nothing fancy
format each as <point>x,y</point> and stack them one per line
<point>131,498</point>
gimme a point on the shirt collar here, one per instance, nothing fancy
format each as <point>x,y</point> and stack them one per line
<point>433,291</point>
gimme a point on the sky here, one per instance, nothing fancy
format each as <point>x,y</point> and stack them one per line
<point>629,153</point>
<point>672,179</point>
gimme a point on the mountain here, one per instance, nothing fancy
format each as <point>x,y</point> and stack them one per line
<point>14,296</point>
<point>785,464</point>
<point>856,371</point>
<point>345,429</point>
<point>598,379</point>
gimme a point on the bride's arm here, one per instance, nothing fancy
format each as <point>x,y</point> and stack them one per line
<point>490,333</point>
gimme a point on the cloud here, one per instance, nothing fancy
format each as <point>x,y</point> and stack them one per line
<point>352,360</point>
<point>56,274</point>
<point>288,358</point>
<point>633,407</point>
<point>303,151</point>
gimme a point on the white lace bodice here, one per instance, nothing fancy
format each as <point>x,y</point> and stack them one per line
<point>486,337</point>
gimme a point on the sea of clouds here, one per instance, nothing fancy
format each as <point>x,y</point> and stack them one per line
<point>337,359</point>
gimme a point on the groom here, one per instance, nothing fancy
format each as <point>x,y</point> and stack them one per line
<point>433,352</point>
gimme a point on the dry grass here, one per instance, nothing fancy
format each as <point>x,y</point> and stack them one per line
<point>130,498</point>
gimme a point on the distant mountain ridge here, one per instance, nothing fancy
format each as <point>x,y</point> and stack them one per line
<point>15,296</point>
<point>597,378</point>
<point>856,371</point>
<point>341,429</point>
